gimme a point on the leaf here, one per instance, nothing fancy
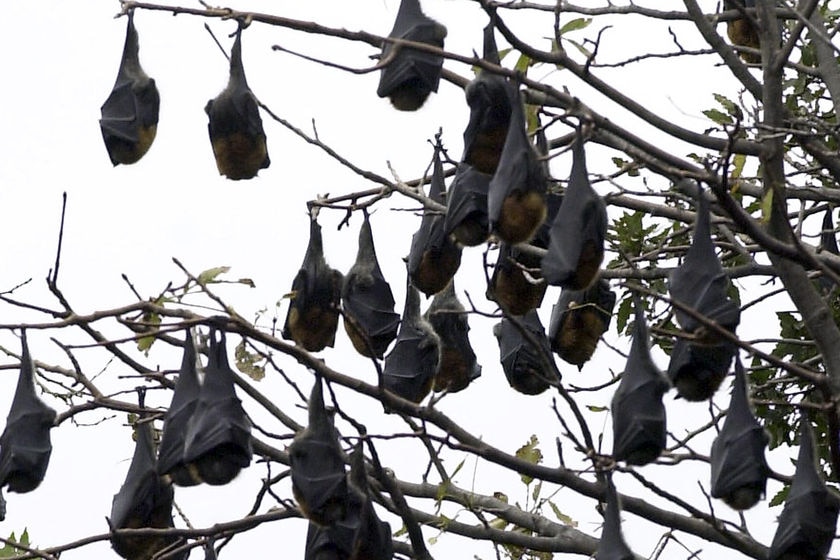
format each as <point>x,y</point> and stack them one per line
<point>248,362</point>
<point>151,321</point>
<point>209,275</point>
<point>248,282</point>
<point>575,25</point>
<point>523,63</point>
<point>9,550</point>
<point>594,408</point>
<point>718,117</point>
<point>530,453</point>
<point>766,206</point>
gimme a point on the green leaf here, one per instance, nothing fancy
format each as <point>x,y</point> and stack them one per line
<point>9,550</point>
<point>145,343</point>
<point>576,25</point>
<point>766,206</point>
<point>718,117</point>
<point>249,362</point>
<point>209,275</point>
<point>565,519</point>
<point>594,408</point>
<point>523,63</point>
<point>530,453</point>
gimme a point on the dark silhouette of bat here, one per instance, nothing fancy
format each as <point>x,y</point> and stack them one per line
<point>410,75</point>
<point>806,526</point>
<point>370,320</point>
<point>130,114</point>
<point>412,364</point>
<point>516,202</point>
<point>217,444</point>
<point>698,366</point>
<point>612,545</point>
<point>742,32</point>
<point>318,475</point>
<point>434,257</point>
<point>184,398</point>
<point>458,364</point>
<point>578,320</point>
<point>522,363</point>
<point>466,206</point>
<point>316,295</point>
<point>828,243</point>
<point>577,233</point>
<point>739,468</point>
<point>143,501</point>
<point>638,414</point>
<point>235,126</point>
<point>25,446</point>
<point>489,102</point>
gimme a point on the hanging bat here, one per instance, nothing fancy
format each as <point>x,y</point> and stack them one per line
<point>318,476</point>
<point>373,538</point>
<point>235,126</point>
<point>523,364</point>
<point>577,234</point>
<point>638,414</point>
<point>490,109</point>
<point>143,501</point>
<point>742,32</point>
<point>828,243</point>
<point>578,320</point>
<point>171,450</point>
<point>434,257</point>
<point>370,320</point>
<point>316,295</point>
<point>516,290</point>
<point>410,75</point>
<point>739,468</point>
<point>130,114</point>
<point>466,207</point>
<point>458,364</point>
<point>516,195</point>
<point>25,446</point>
<point>697,367</point>
<point>412,364</point>
<point>612,545</point>
<point>806,526</point>
<point>217,444</point>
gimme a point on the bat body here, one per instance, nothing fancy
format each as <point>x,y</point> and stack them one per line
<point>612,545</point>
<point>130,114</point>
<point>409,75</point>
<point>490,108</point>
<point>318,475</point>
<point>523,364</point>
<point>516,194</point>
<point>316,295</point>
<point>25,445</point>
<point>466,207</point>
<point>742,33</point>
<point>434,257</point>
<point>578,320</point>
<point>515,289</point>
<point>171,450</point>
<point>809,518</point>
<point>698,366</point>
<point>577,233</point>
<point>638,414</point>
<point>370,320</point>
<point>458,364</point>
<point>217,444</point>
<point>739,468</point>
<point>412,364</point>
<point>235,126</point>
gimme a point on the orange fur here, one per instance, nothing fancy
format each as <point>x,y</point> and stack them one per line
<point>522,213</point>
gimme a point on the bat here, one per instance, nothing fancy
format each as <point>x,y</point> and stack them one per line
<point>25,446</point>
<point>578,320</point>
<point>697,367</point>
<point>828,243</point>
<point>742,32</point>
<point>523,364</point>
<point>466,206</point>
<point>143,501</point>
<point>171,449</point>
<point>806,525</point>
<point>458,364</point>
<point>516,202</point>
<point>516,290</point>
<point>316,295</point>
<point>317,468</point>
<point>217,444</point>
<point>410,75</point>
<point>370,320</point>
<point>612,545</point>
<point>576,248</point>
<point>434,257</point>
<point>638,414</point>
<point>130,114</point>
<point>235,126</point>
<point>412,364</point>
<point>739,468</point>
<point>490,108</point>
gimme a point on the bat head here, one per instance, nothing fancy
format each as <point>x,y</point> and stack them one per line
<point>579,319</point>
<point>466,208</point>
<point>458,364</point>
<point>525,366</point>
<point>698,370</point>
<point>612,545</point>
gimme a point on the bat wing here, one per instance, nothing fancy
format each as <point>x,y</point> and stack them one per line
<point>25,445</point>
<point>828,242</point>
<point>458,363</point>
<point>521,362</point>
<point>576,246</point>
<point>218,441</point>
<point>510,287</point>
<point>579,319</point>
<point>612,545</point>
<point>372,538</point>
<point>466,209</point>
